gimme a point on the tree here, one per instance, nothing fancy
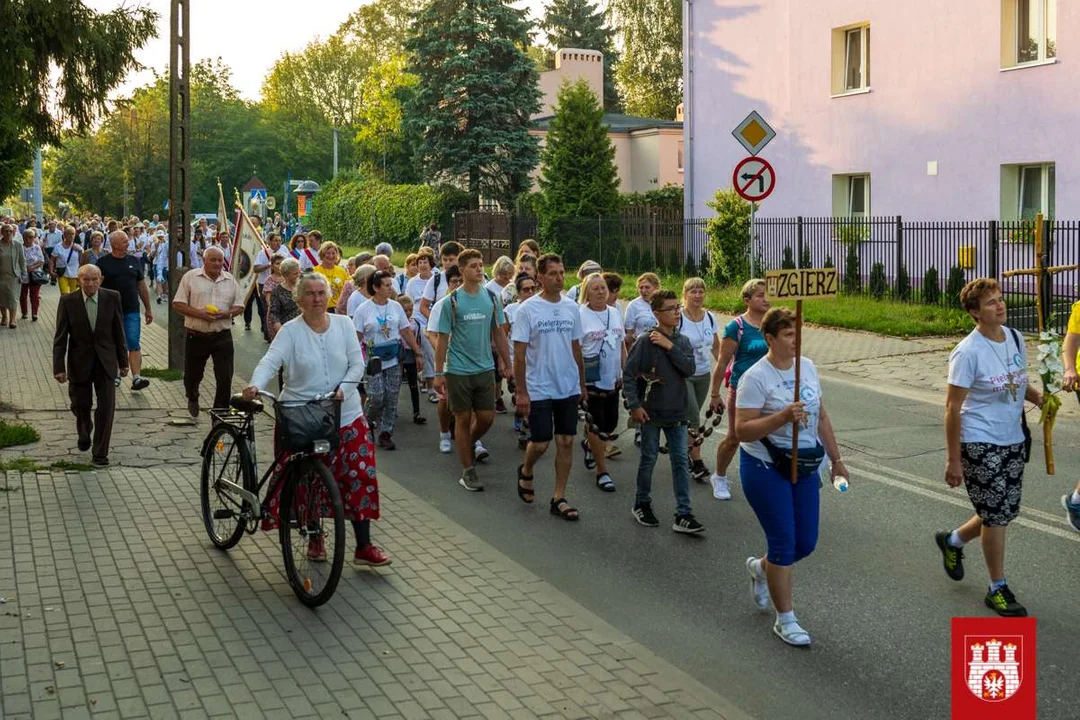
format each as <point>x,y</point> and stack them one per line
<point>579,177</point>
<point>321,80</point>
<point>729,237</point>
<point>580,24</point>
<point>383,147</point>
<point>61,62</point>
<point>382,27</point>
<point>476,93</point>
<point>649,72</point>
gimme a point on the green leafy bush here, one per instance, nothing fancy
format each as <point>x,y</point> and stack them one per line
<point>689,268</point>
<point>729,237</point>
<point>669,197</point>
<point>954,285</point>
<point>931,287</point>
<point>852,274</point>
<point>806,259</point>
<point>878,285</point>
<point>902,291</point>
<point>673,263</point>
<point>829,262</point>
<point>646,263</point>
<point>528,203</point>
<point>17,433</point>
<point>788,263</point>
<point>633,258</point>
<point>363,213</point>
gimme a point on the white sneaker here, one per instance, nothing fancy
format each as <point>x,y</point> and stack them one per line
<point>759,587</point>
<point>792,633</point>
<point>446,445</point>
<point>480,452</point>
<point>721,487</point>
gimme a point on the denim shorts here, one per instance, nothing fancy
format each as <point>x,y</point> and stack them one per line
<point>133,331</point>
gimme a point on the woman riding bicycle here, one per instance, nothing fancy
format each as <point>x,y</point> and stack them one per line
<point>321,355</point>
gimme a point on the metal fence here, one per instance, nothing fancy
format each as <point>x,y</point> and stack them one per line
<point>929,261</point>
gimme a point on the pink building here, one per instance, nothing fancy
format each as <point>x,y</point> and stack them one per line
<point>922,108</point>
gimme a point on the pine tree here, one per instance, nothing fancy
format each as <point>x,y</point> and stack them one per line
<point>579,177</point>
<point>476,93</point>
<point>581,24</point>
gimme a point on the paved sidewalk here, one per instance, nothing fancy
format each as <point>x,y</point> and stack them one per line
<point>116,604</point>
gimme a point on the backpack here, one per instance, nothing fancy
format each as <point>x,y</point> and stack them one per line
<point>453,309</point>
<point>435,287</point>
<point>731,362</point>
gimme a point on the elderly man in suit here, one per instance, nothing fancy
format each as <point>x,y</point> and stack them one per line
<point>90,333</point>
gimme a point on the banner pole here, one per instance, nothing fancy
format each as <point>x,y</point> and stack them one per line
<point>796,394</point>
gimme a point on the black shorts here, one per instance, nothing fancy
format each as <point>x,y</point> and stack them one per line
<point>548,418</point>
<point>604,408</point>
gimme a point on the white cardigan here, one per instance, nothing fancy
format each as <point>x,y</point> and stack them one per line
<point>316,363</point>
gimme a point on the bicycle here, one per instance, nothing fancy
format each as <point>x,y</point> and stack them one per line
<point>311,514</point>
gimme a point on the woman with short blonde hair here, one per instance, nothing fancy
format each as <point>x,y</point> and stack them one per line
<point>701,329</point>
<point>336,276</point>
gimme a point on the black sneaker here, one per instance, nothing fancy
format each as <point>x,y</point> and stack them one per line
<point>644,515</point>
<point>1003,602</point>
<point>687,524</point>
<point>140,383</point>
<point>952,558</point>
<point>699,472</point>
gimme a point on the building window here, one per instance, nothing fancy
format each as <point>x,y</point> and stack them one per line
<point>1027,190</point>
<point>851,195</point>
<point>851,59</point>
<point>1028,32</point>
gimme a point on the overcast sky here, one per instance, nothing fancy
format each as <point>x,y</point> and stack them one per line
<point>249,37</point>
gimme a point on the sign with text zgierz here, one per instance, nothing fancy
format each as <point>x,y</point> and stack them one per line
<point>800,284</point>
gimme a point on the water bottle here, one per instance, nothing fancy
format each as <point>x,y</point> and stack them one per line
<point>840,483</point>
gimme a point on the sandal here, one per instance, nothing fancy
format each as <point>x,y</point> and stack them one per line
<point>522,491</point>
<point>792,633</point>
<point>563,509</point>
<point>605,483</point>
<point>590,461</point>
<point>419,419</point>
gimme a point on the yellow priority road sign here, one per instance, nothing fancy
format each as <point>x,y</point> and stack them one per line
<point>800,284</point>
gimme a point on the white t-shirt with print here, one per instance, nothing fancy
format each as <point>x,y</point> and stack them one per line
<point>67,259</point>
<point>354,302</point>
<point>415,289</point>
<point>381,325</point>
<point>639,317</point>
<point>508,313</point>
<point>700,334</point>
<point>436,312</point>
<point>981,366</point>
<point>765,387</point>
<point>602,333</point>
<point>550,329</point>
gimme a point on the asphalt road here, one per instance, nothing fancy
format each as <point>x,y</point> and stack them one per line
<point>873,595</point>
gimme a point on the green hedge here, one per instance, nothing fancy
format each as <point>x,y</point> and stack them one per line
<point>366,212</point>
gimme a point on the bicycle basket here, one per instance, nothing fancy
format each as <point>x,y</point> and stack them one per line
<point>300,425</point>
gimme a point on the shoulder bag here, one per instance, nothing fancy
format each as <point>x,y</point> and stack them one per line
<point>1023,416</point>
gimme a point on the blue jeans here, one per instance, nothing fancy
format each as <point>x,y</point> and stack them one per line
<point>679,453</point>
<point>789,514</point>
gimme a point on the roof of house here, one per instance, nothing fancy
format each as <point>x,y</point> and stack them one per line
<point>618,123</point>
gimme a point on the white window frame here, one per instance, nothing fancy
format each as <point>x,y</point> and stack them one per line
<point>851,195</point>
<point>1044,188</point>
<point>1043,7</point>
<point>864,58</point>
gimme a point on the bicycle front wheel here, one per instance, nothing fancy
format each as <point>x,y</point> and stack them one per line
<point>226,458</point>
<point>312,531</point>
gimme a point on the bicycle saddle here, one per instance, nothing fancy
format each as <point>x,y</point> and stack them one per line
<point>238,403</point>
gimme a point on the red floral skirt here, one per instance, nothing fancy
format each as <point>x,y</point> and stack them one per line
<point>353,467</point>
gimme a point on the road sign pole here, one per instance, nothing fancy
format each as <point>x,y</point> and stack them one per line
<point>753,271</point>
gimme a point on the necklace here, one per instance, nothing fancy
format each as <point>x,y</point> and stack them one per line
<point>610,338</point>
<point>1012,386</point>
<point>384,327</point>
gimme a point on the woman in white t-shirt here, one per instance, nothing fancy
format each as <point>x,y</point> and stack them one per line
<point>639,315</point>
<point>787,510</point>
<point>700,328</point>
<point>382,324</point>
<point>604,352</point>
<point>525,287</point>
<point>415,289</point>
<point>984,437</point>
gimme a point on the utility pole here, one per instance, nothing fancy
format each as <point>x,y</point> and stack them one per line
<point>179,166</point>
<point>335,152</point>
<point>39,207</point>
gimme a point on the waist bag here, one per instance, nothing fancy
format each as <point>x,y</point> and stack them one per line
<point>808,462</point>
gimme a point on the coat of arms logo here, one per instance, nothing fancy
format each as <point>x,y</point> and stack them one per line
<point>994,667</point>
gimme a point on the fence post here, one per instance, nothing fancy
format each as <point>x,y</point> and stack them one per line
<point>1047,279</point>
<point>899,250</point>
<point>600,239</point>
<point>798,242</point>
<point>993,249</point>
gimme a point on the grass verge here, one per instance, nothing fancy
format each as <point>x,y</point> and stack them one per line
<point>26,464</point>
<point>17,433</point>
<point>166,374</point>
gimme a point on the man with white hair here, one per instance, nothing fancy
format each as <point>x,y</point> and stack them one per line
<point>208,298</point>
<point>384,248</point>
<point>122,272</point>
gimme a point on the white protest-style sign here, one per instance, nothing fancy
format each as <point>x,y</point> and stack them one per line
<point>753,179</point>
<point>753,133</point>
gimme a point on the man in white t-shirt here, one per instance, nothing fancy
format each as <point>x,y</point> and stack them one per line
<point>546,331</point>
<point>436,286</point>
<point>262,267</point>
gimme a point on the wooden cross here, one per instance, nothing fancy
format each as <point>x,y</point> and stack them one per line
<point>1040,272</point>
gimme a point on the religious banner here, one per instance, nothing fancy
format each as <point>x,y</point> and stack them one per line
<point>222,213</point>
<point>247,243</point>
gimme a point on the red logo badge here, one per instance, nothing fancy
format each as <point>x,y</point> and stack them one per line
<point>993,668</point>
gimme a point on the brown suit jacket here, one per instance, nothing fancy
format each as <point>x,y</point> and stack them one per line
<point>75,339</point>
